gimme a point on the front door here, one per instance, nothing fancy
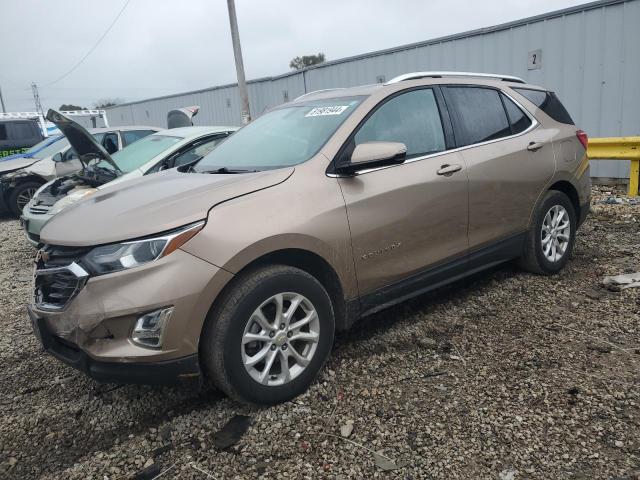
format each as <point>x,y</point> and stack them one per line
<point>406,218</point>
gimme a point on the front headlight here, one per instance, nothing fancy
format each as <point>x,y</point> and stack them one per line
<point>121,256</point>
<point>70,199</point>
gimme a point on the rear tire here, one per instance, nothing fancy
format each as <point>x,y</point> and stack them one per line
<point>21,195</point>
<point>551,237</point>
<point>236,335</point>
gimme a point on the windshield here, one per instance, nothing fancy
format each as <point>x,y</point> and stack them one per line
<point>54,147</point>
<point>140,152</point>
<point>287,136</point>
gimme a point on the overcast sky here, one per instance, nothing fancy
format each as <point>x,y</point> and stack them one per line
<point>159,47</point>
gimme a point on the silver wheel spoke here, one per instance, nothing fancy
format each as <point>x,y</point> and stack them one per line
<point>278,300</point>
<point>308,336</point>
<point>303,321</point>
<point>255,337</point>
<point>284,366</point>
<point>264,376</point>
<point>259,317</point>
<point>295,303</point>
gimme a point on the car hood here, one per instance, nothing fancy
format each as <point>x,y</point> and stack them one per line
<point>80,139</point>
<point>150,205</point>
<point>15,164</point>
<point>15,156</point>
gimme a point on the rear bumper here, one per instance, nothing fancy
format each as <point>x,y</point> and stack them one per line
<point>180,371</point>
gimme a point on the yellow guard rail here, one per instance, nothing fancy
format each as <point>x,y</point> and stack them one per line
<point>619,148</point>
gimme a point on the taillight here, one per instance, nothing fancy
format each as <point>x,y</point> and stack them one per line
<point>584,139</point>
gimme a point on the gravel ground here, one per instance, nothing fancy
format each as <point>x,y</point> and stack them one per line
<point>506,375</point>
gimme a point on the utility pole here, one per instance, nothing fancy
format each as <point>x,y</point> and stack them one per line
<point>237,53</point>
<point>36,97</point>
<point>4,110</point>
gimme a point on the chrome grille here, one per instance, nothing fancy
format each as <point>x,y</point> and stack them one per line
<point>58,277</point>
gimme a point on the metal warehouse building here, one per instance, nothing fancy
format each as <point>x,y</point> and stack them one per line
<point>588,54</point>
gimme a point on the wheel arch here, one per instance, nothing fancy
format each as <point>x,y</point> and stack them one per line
<point>570,191</point>
<point>309,262</point>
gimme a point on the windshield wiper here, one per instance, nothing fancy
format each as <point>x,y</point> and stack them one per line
<point>229,170</point>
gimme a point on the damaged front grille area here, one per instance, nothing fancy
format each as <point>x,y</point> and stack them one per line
<point>58,277</point>
<point>39,210</point>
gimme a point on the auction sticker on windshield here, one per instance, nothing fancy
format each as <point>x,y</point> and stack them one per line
<point>332,110</point>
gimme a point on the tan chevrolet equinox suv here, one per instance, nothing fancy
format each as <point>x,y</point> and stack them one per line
<point>324,210</point>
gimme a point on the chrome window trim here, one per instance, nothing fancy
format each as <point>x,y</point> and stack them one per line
<point>533,126</point>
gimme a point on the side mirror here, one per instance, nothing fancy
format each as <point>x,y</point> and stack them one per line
<point>374,155</point>
<point>57,157</point>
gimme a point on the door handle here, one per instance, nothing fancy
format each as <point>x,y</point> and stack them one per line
<point>447,169</point>
<point>535,146</point>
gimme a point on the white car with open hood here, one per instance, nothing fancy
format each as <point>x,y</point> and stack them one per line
<point>176,147</point>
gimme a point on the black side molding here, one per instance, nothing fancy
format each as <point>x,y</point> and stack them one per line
<point>440,275</point>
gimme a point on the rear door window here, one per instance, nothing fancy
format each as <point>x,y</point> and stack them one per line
<point>517,118</point>
<point>411,118</point>
<point>22,131</point>
<point>478,114</point>
<point>130,136</point>
<point>110,142</point>
<point>548,102</point>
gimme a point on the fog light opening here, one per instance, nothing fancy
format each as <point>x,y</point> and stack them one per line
<point>149,329</point>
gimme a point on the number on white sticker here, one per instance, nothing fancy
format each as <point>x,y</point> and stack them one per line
<point>333,110</point>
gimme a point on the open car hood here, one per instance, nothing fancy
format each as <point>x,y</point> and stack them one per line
<point>81,140</point>
<point>150,205</point>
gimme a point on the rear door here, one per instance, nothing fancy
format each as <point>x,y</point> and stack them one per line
<point>509,157</point>
<point>406,218</point>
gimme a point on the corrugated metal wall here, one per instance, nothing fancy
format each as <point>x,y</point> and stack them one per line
<point>590,57</point>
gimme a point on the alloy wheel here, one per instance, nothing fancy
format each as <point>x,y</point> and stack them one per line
<point>25,197</point>
<point>556,233</point>
<point>280,339</point>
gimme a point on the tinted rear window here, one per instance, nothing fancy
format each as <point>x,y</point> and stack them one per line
<point>548,102</point>
<point>519,121</point>
<point>479,114</point>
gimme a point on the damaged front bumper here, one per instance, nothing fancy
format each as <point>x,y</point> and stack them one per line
<point>92,329</point>
<point>168,372</point>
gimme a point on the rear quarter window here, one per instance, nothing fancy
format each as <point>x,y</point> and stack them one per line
<point>548,102</point>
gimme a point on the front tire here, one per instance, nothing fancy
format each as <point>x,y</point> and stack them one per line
<point>552,235</point>
<point>21,195</point>
<point>268,337</point>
